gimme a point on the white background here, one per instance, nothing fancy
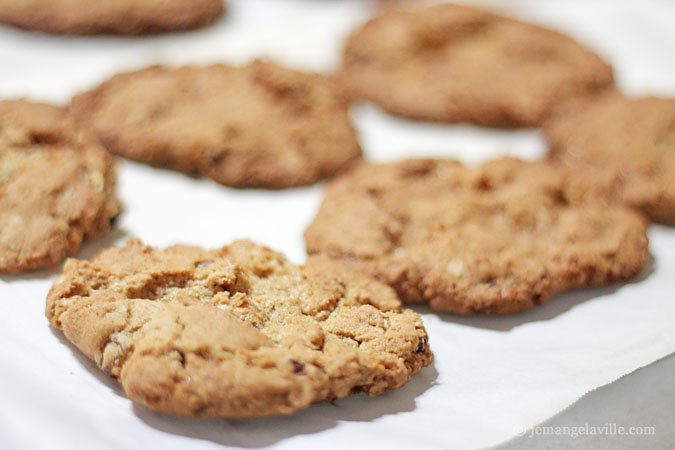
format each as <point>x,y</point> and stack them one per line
<point>492,376</point>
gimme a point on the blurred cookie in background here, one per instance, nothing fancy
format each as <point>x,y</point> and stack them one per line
<point>109,16</point>
<point>630,140</point>
<point>56,186</point>
<point>261,125</point>
<point>453,63</point>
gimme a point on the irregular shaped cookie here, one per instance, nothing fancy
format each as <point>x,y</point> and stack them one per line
<point>56,186</point>
<point>632,141</point>
<point>259,125</point>
<point>496,238</point>
<point>109,16</point>
<point>453,63</point>
<point>235,332</point>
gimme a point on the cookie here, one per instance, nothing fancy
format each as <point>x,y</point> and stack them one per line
<point>235,332</point>
<point>255,126</point>
<point>454,63</point>
<point>56,186</point>
<point>631,140</point>
<point>496,238</point>
<point>109,16</point>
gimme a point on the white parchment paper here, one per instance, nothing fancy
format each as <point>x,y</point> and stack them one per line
<point>492,377</point>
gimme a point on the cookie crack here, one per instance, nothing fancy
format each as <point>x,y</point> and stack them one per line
<point>667,138</point>
<point>155,286</point>
<point>431,35</point>
<point>174,347</point>
<point>394,229</point>
<point>119,345</point>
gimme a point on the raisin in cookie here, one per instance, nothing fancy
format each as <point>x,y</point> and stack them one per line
<point>631,140</point>
<point>496,238</point>
<point>56,186</point>
<point>235,332</point>
<point>453,63</point>
<point>109,16</point>
<point>258,126</point>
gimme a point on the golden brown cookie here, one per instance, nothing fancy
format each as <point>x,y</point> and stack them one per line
<point>496,238</point>
<point>630,140</point>
<point>454,63</point>
<point>235,332</point>
<point>109,16</point>
<point>258,126</point>
<point>56,186</point>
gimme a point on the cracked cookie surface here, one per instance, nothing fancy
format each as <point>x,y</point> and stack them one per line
<point>255,126</point>
<point>631,140</point>
<point>235,332</point>
<point>56,186</point>
<point>496,238</point>
<point>454,63</point>
<point>109,16</point>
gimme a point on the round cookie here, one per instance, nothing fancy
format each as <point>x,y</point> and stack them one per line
<point>454,63</point>
<point>255,126</point>
<point>56,186</point>
<point>235,332</point>
<point>631,140</point>
<point>496,238</point>
<point>109,16</point>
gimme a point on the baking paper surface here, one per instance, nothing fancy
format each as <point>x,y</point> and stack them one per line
<point>492,376</point>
